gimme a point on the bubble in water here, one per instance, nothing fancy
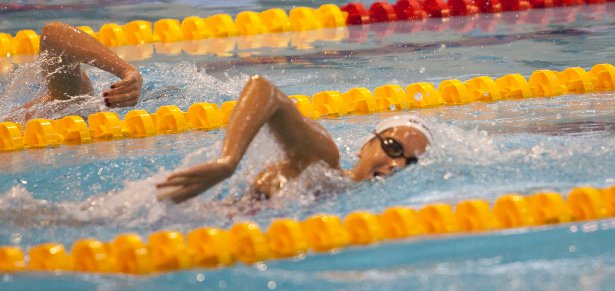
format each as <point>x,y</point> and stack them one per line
<point>271,285</point>
<point>222,284</point>
<point>16,238</point>
<point>200,277</point>
<point>261,266</point>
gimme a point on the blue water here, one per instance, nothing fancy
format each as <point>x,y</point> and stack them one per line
<point>481,150</point>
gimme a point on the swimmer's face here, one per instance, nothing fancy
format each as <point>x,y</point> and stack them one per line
<point>375,161</point>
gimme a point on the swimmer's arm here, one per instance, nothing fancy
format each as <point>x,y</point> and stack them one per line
<point>260,103</point>
<point>73,45</point>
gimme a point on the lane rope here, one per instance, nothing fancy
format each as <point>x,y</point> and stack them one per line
<point>276,20</point>
<point>168,119</point>
<point>210,247</point>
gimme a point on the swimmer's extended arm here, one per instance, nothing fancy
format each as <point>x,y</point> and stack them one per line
<point>71,47</point>
<point>260,103</point>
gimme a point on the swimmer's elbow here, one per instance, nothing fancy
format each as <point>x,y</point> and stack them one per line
<point>263,85</point>
<point>53,29</point>
<point>259,80</point>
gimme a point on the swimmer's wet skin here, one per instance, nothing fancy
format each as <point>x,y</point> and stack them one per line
<point>401,140</point>
<point>65,48</point>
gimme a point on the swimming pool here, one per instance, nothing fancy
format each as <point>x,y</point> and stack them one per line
<point>484,150</point>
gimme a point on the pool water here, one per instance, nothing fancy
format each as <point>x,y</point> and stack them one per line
<point>480,150</point>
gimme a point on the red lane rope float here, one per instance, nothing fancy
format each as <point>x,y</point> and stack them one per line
<point>169,119</point>
<point>210,247</point>
<point>275,20</point>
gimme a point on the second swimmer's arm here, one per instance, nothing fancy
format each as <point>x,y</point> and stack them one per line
<point>73,46</point>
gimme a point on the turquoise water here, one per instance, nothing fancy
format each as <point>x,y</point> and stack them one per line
<point>481,150</point>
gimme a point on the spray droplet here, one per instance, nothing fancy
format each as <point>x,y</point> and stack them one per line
<point>222,284</point>
<point>422,70</point>
<point>261,266</point>
<point>418,96</point>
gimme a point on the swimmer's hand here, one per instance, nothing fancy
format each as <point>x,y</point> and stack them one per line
<point>189,183</point>
<point>126,92</point>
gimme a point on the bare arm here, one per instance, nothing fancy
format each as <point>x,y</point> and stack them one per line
<point>67,47</point>
<point>260,103</point>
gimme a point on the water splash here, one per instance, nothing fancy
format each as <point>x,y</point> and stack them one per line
<point>180,84</point>
<point>135,205</point>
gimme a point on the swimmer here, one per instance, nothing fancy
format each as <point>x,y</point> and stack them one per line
<point>64,49</point>
<point>395,143</point>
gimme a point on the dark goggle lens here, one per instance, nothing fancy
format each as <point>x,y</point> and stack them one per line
<point>392,148</point>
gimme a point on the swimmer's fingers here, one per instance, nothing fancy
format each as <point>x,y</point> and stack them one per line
<point>187,193</point>
<point>122,90</point>
<point>180,194</point>
<point>177,181</point>
<point>187,174</point>
<point>126,92</point>
<point>131,77</point>
<point>124,83</point>
<point>167,194</point>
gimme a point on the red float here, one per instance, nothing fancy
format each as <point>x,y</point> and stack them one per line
<point>382,11</point>
<point>462,7</point>
<point>357,14</point>
<point>491,6</point>
<point>436,8</point>
<point>567,2</point>
<point>409,10</point>
<point>515,5</point>
<point>541,3</point>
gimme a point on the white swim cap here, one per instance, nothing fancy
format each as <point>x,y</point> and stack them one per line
<point>409,120</point>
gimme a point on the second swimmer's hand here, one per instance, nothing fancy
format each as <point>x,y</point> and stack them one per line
<point>191,182</point>
<point>126,92</point>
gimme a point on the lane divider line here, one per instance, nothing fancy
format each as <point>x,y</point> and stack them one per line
<point>169,119</point>
<point>276,20</point>
<point>210,247</point>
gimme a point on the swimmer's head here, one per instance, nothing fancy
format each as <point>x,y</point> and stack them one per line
<point>395,143</point>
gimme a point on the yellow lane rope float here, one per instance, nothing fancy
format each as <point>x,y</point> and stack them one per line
<point>40,133</point>
<point>138,32</point>
<point>209,247</point>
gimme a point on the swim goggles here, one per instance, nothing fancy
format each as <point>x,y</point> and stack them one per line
<point>394,149</point>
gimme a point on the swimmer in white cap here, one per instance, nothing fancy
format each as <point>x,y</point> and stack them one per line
<point>395,143</point>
